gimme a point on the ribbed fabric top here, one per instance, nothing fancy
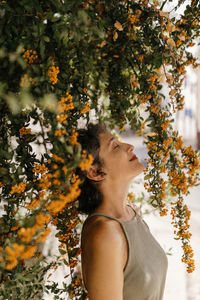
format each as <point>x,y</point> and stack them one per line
<point>145,271</point>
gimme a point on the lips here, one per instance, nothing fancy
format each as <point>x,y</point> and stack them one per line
<point>133,157</point>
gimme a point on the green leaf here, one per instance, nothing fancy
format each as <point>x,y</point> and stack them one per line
<point>42,49</point>
<point>63,252</point>
<point>70,149</point>
<point>46,38</point>
<point>29,222</point>
<point>148,176</point>
<point>4,171</point>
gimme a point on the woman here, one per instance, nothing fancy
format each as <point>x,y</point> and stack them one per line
<point>121,260</point>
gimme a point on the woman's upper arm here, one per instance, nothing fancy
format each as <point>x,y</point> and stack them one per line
<point>103,262</point>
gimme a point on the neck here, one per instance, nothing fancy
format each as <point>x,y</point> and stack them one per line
<point>114,199</point>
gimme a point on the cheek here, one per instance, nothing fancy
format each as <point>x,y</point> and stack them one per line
<point>114,164</point>
<point>120,163</point>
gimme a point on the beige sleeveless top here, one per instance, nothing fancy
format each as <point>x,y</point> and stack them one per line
<point>146,267</point>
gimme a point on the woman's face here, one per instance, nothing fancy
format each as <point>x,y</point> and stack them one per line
<point>119,161</point>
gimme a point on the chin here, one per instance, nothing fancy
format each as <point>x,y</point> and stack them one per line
<point>139,168</point>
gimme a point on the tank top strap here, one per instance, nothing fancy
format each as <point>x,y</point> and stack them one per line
<point>132,208</point>
<point>104,215</point>
<point>108,216</point>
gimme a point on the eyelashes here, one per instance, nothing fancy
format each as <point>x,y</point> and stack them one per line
<point>116,146</point>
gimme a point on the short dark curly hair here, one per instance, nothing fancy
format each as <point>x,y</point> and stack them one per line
<point>90,197</point>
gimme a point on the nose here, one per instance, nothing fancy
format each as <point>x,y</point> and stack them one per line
<point>130,147</point>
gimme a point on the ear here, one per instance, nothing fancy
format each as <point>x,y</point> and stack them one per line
<point>93,173</point>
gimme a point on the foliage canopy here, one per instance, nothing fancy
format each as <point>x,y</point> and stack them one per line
<point>62,62</point>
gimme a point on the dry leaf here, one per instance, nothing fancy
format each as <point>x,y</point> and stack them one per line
<point>170,27</point>
<point>103,44</point>
<point>156,3</point>
<point>171,42</point>
<point>182,35</point>
<point>170,79</point>
<point>134,37</point>
<point>115,36</point>
<point>172,92</point>
<point>133,81</point>
<point>118,26</point>
<point>164,14</point>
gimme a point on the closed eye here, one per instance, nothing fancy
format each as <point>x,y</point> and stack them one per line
<point>116,146</point>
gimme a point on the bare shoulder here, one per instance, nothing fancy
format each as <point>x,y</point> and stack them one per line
<point>101,230</point>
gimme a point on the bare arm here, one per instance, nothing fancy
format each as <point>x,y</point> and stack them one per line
<point>103,260</point>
